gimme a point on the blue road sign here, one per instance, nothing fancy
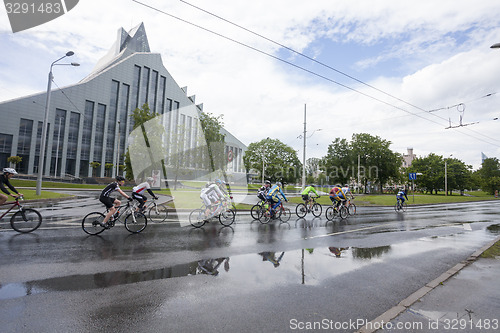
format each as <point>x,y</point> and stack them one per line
<point>412,176</point>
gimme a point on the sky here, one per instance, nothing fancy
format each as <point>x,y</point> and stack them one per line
<point>400,70</point>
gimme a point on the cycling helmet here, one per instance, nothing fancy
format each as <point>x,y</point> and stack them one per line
<point>279,184</point>
<point>268,182</point>
<point>120,178</point>
<point>10,170</point>
<point>313,185</point>
<point>150,179</point>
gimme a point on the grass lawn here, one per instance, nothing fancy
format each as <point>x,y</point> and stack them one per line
<point>418,199</point>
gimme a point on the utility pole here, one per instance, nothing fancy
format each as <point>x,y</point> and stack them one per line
<point>304,156</point>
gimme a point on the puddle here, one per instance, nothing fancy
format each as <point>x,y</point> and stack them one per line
<point>494,229</point>
<point>309,266</point>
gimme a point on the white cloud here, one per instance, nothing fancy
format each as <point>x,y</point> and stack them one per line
<point>441,50</point>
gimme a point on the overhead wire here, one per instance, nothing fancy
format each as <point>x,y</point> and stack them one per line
<point>310,71</point>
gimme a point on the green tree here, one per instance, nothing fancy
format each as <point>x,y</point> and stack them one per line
<point>431,168</point>
<point>14,160</point>
<point>94,166</point>
<point>489,175</point>
<point>458,174</point>
<point>378,163</point>
<point>150,136</point>
<point>338,163</point>
<point>280,160</point>
<point>212,128</point>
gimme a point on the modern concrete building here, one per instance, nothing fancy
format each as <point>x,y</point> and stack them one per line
<point>90,121</point>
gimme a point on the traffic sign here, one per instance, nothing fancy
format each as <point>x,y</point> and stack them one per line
<point>412,176</point>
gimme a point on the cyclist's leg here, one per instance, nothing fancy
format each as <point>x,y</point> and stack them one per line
<point>3,198</point>
<point>110,205</point>
<point>141,199</point>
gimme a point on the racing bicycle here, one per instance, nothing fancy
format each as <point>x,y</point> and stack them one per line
<point>333,211</point>
<point>281,213</point>
<point>25,219</point>
<point>312,206</point>
<point>200,216</point>
<point>135,221</point>
<point>400,206</point>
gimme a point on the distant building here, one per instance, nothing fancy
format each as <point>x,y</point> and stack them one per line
<point>408,158</point>
<point>87,119</point>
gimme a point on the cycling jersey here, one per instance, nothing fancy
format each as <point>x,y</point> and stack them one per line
<point>274,192</point>
<point>401,195</point>
<point>139,189</point>
<point>309,189</point>
<point>110,189</point>
<point>4,180</point>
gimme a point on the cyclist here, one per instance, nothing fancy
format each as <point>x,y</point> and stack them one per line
<point>211,194</point>
<point>401,196</point>
<point>347,192</point>
<point>112,203</point>
<point>273,196</point>
<point>8,173</point>
<point>137,192</point>
<point>306,194</point>
<point>337,195</point>
<point>262,191</point>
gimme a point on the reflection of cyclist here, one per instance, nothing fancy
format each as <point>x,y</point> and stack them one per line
<point>337,251</point>
<point>138,192</point>
<point>112,203</point>
<point>274,197</point>
<point>271,257</point>
<point>211,266</point>
<point>401,195</point>
<point>306,194</point>
<point>8,173</point>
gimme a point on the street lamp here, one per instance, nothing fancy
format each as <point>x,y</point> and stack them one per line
<point>304,149</point>
<point>495,46</point>
<point>41,157</point>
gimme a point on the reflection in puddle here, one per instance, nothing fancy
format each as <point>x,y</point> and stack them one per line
<point>310,266</point>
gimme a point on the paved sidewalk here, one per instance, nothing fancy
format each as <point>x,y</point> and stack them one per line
<point>466,298</point>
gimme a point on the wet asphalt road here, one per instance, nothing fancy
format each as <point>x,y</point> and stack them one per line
<point>244,278</point>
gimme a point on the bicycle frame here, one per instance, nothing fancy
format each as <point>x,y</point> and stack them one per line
<point>14,204</point>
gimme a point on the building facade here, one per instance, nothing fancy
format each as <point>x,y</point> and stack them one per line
<point>90,121</point>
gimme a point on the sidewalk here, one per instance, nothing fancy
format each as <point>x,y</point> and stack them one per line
<point>466,298</point>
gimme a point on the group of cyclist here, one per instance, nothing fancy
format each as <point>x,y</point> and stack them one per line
<point>112,203</point>
<point>272,194</point>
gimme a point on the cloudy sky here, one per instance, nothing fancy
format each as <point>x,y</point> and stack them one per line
<point>397,69</point>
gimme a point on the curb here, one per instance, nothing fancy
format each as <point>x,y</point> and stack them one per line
<point>410,300</point>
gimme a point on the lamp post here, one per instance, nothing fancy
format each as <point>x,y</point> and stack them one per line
<point>495,46</point>
<point>304,149</point>
<point>41,157</point>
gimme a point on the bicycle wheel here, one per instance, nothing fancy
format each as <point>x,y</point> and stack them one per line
<point>255,211</point>
<point>226,218</point>
<point>285,215</point>
<point>26,220</point>
<point>343,212</point>
<point>157,213</point>
<point>330,213</point>
<point>397,207</point>
<point>351,209</point>
<point>92,223</point>
<point>404,206</point>
<point>301,210</point>
<point>317,209</point>
<point>264,215</point>
<point>197,218</point>
<point>136,222</point>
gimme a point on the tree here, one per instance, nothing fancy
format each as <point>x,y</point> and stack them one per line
<point>458,174</point>
<point>94,166</point>
<point>212,126</point>
<point>280,160</point>
<point>431,168</point>
<point>338,163</point>
<point>377,162</point>
<point>14,160</point>
<point>143,140</point>
<point>489,175</point>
